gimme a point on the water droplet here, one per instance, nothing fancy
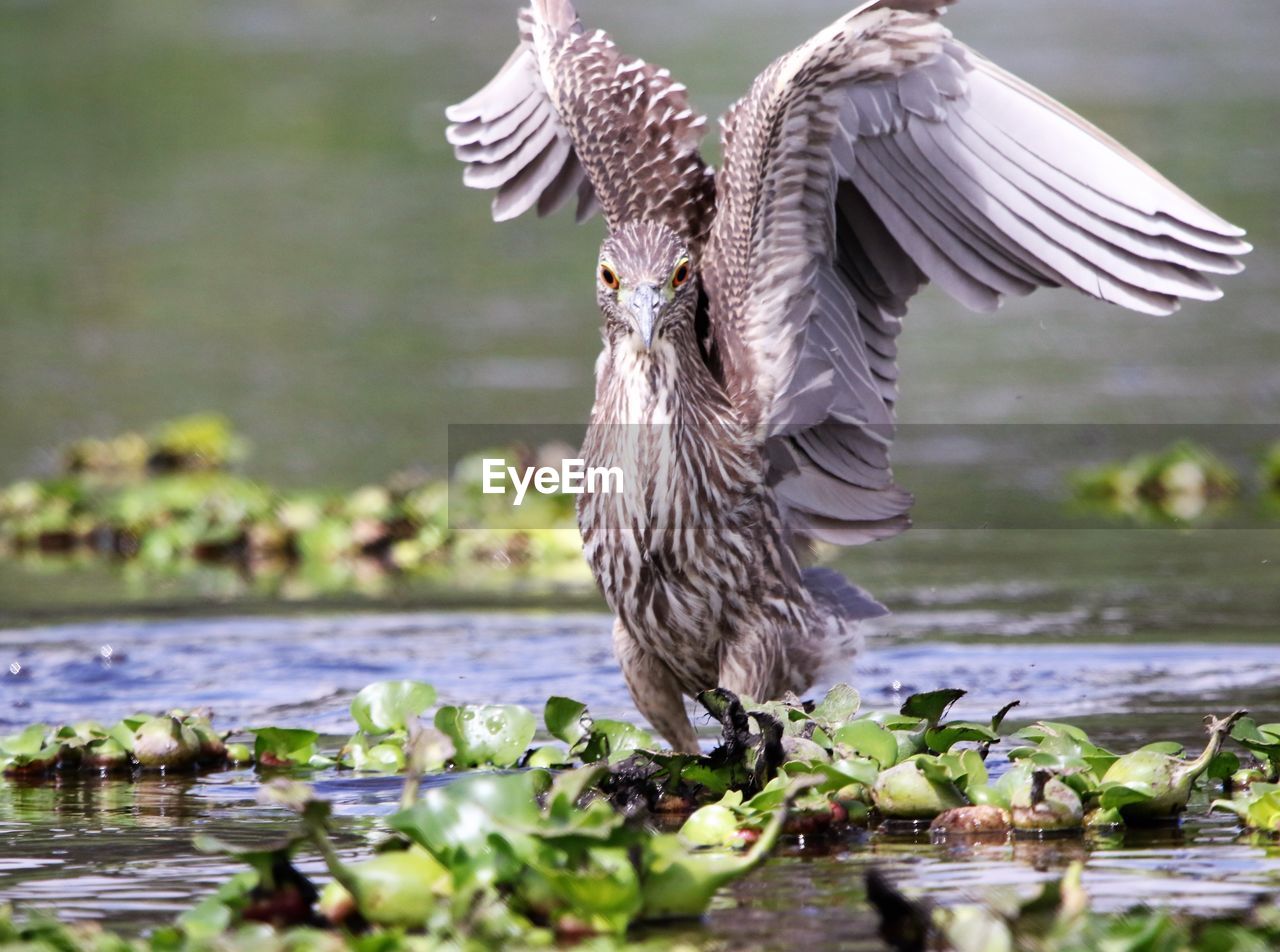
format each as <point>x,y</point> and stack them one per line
<point>15,668</point>
<point>494,724</point>
<point>896,685</point>
<point>106,651</point>
<point>468,715</point>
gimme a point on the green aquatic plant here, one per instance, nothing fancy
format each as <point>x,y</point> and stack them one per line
<point>1258,809</point>
<point>1263,741</point>
<point>1270,469</point>
<point>1177,483</point>
<point>588,739</point>
<point>1058,918</point>
<point>1152,785</point>
<point>165,743</point>
<point>912,791</point>
<point>1045,804</point>
<point>285,747</point>
<point>178,741</point>
<point>522,857</point>
<point>169,503</point>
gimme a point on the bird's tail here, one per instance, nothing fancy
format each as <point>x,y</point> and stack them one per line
<point>843,605</point>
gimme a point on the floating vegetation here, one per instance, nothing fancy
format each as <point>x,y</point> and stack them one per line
<point>1180,483</point>
<point>599,830</point>
<point>1270,472</point>
<point>1059,919</point>
<point>170,500</point>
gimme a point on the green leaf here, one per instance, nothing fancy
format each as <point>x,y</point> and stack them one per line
<point>840,773</point>
<point>1038,731</point>
<point>359,754</point>
<point>566,719</point>
<point>1223,765</point>
<point>1264,811</point>
<point>840,704</point>
<point>391,705</point>
<point>941,739</point>
<point>715,779</point>
<point>548,756</point>
<point>1170,747</point>
<point>985,794</point>
<point>868,739</point>
<point>965,768</point>
<point>604,892</point>
<point>206,920</point>
<point>712,825</point>
<point>290,744</point>
<point>483,734</point>
<point>1116,796</point>
<point>1000,715</point>
<point>123,731</point>
<point>455,822</point>
<point>26,743</point>
<point>931,705</point>
<point>614,740</point>
<point>933,769</point>
<point>569,787</point>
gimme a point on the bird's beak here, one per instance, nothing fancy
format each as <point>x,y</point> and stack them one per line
<point>644,303</point>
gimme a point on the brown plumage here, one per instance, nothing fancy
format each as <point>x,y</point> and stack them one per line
<point>748,376</point>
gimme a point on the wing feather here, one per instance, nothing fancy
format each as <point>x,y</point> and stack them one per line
<point>877,156</point>
<point>567,112</point>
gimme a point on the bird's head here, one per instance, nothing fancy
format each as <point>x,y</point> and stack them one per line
<point>645,284</point>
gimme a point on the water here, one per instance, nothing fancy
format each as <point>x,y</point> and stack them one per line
<point>1128,666</point>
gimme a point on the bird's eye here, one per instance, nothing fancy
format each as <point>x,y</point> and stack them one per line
<point>681,273</point>
<point>609,277</point>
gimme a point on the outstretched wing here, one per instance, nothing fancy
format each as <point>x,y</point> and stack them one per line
<point>883,154</point>
<point>568,113</point>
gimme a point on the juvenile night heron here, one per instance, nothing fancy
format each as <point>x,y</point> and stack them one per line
<point>748,378</point>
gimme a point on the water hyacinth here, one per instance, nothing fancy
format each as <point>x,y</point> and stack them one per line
<point>397,888</point>
<point>1258,809</point>
<point>165,743</point>
<point>1150,785</point>
<point>908,791</point>
<point>172,500</point>
<point>1045,804</point>
<point>1263,741</point>
<point>524,857</point>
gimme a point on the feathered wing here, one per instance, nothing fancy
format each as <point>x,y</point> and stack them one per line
<point>878,156</point>
<point>567,114</point>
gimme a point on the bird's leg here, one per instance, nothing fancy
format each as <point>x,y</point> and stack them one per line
<point>748,664</point>
<point>654,689</point>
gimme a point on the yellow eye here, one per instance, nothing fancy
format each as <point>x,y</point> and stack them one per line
<point>609,277</point>
<point>681,273</point>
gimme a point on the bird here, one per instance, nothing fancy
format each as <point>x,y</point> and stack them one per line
<point>747,379</point>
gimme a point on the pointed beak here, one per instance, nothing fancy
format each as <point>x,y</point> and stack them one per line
<point>643,305</point>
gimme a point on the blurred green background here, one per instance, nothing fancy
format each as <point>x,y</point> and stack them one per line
<point>249,206</point>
